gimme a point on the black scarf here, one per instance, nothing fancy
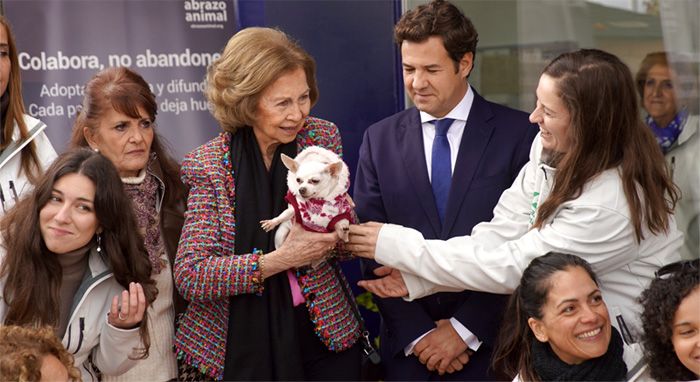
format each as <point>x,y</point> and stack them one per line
<point>262,340</point>
<point>608,367</point>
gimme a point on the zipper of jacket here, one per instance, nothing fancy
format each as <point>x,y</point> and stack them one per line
<point>12,191</point>
<point>93,377</point>
<point>87,291</point>
<point>80,338</point>
<point>70,327</point>
<point>673,166</point>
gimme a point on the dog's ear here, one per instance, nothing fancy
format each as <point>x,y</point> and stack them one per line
<point>290,163</point>
<point>334,168</point>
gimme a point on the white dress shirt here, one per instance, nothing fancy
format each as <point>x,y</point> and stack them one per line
<point>460,113</point>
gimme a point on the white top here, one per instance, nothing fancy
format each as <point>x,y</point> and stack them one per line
<point>684,159</point>
<point>595,226</point>
<point>11,164</point>
<point>161,364</point>
<point>89,337</point>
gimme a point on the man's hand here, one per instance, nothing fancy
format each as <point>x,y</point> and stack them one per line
<point>363,239</point>
<point>390,283</point>
<point>458,363</point>
<point>442,349</point>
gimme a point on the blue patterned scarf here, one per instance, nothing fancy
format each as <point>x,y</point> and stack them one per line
<point>668,135</point>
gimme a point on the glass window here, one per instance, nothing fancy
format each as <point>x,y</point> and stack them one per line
<point>517,38</point>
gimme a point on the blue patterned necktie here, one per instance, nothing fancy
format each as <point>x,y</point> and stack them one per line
<point>441,166</point>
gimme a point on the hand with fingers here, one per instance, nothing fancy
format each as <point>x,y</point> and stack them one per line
<point>303,247</point>
<point>300,248</point>
<point>389,284</point>
<point>363,239</point>
<point>442,350</point>
<point>127,312</point>
<point>458,363</point>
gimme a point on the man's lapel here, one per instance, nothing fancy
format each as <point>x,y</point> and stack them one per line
<point>410,142</point>
<point>477,134</point>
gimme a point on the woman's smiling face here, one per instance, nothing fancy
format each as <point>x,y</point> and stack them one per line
<point>68,220</point>
<point>575,320</point>
<point>552,116</point>
<point>686,332</point>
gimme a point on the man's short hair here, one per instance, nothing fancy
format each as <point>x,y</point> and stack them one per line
<point>439,18</point>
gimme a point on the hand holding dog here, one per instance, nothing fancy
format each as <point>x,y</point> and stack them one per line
<point>300,248</point>
<point>363,239</point>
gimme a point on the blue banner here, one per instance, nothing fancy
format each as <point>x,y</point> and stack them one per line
<point>62,43</point>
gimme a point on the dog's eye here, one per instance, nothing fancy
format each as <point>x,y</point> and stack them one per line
<point>313,181</point>
<point>299,180</point>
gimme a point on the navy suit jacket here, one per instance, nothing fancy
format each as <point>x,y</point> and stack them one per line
<point>392,186</point>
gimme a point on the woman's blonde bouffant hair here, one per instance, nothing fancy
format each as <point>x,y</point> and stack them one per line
<point>252,60</point>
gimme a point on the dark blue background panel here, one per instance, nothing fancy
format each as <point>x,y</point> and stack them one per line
<point>358,70</point>
<point>357,63</point>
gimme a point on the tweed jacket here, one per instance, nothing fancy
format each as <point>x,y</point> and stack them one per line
<point>207,273</point>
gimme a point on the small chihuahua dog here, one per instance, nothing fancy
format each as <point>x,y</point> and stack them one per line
<point>318,182</point>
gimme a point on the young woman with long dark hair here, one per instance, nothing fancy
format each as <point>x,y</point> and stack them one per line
<point>72,259</point>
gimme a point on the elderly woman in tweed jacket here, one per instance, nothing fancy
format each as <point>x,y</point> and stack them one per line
<point>256,312</point>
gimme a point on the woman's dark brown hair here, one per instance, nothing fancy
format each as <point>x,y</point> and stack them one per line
<point>33,275</point>
<point>125,91</point>
<point>606,132</point>
<point>512,355</point>
<point>15,111</point>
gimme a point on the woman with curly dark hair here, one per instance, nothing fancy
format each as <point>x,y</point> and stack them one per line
<point>34,353</point>
<point>671,322</point>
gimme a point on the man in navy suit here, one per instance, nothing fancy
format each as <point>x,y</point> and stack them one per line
<point>448,336</point>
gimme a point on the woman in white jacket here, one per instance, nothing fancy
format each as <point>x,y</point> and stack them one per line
<point>72,259</point>
<point>676,129</point>
<point>596,186</point>
<point>25,151</point>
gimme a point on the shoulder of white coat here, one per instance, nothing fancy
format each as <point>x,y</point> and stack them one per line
<point>44,148</point>
<point>605,190</point>
<point>690,129</point>
<point>30,121</point>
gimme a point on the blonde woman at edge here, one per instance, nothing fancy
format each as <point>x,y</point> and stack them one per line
<point>25,151</point>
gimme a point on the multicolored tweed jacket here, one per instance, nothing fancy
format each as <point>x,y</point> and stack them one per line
<point>207,272</point>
